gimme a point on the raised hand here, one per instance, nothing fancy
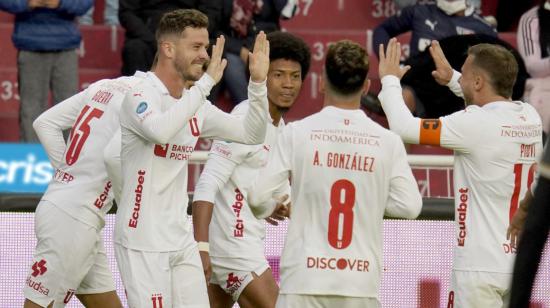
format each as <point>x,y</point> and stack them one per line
<point>389,60</point>
<point>217,64</point>
<point>259,59</point>
<point>443,70</point>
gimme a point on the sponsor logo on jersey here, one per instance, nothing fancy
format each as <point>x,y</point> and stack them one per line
<point>238,228</point>
<point>62,176</point>
<point>233,283</point>
<point>141,108</point>
<point>132,223</point>
<point>37,286</point>
<point>342,264</point>
<point>461,214</point>
<point>344,136</point>
<point>100,201</point>
<point>157,300</point>
<point>177,152</point>
<point>39,268</point>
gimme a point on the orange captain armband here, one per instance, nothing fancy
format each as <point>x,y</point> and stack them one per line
<point>430,131</point>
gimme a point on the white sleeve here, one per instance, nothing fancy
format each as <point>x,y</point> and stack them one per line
<point>454,86</point>
<point>274,177</point>
<point>400,119</point>
<point>113,163</point>
<point>529,46</point>
<point>457,131</point>
<point>141,109</point>
<point>222,160</point>
<point>49,126</point>
<point>250,129</point>
<point>404,199</point>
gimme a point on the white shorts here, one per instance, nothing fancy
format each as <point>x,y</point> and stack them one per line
<point>234,274</point>
<point>163,279</point>
<point>301,300</point>
<point>69,259</point>
<point>479,289</point>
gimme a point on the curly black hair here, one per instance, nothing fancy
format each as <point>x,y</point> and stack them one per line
<point>283,45</point>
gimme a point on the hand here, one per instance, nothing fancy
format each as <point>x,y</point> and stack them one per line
<point>259,59</point>
<point>217,64</point>
<point>282,211</point>
<point>244,54</point>
<point>389,61</point>
<point>35,3</point>
<point>207,267</point>
<point>443,70</point>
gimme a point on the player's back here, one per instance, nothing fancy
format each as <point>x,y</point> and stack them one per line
<point>493,169</point>
<point>342,167</point>
<point>80,185</point>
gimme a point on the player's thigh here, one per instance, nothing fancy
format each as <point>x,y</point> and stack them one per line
<point>218,298</point>
<point>146,277</point>
<point>188,281</point>
<point>97,289</point>
<point>61,259</point>
<point>262,291</point>
<point>476,290</point>
<point>323,301</point>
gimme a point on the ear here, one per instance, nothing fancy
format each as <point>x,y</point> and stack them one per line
<point>479,81</point>
<point>322,83</point>
<point>366,86</point>
<point>167,49</point>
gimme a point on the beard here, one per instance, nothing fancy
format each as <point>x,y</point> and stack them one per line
<point>185,73</point>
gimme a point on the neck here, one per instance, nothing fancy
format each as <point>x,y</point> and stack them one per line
<point>276,114</point>
<point>490,98</point>
<point>170,78</point>
<point>344,102</point>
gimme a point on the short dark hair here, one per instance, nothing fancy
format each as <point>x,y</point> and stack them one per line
<point>175,22</point>
<point>346,67</point>
<point>499,63</point>
<point>283,45</point>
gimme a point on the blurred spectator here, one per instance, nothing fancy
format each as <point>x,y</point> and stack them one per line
<point>534,46</point>
<point>110,14</point>
<point>240,21</point>
<point>46,36</point>
<point>404,3</point>
<point>430,100</point>
<point>140,19</point>
<point>431,22</point>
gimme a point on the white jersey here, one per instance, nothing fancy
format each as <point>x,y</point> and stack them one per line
<point>80,185</point>
<point>496,147</point>
<point>159,134</point>
<point>347,172</point>
<point>230,170</point>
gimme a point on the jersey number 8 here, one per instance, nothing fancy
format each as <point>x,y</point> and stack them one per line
<point>340,218</point>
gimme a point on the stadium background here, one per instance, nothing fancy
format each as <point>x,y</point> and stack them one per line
<point>417,254</point>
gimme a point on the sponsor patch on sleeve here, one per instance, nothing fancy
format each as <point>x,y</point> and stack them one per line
<point>222,149</point>
<point>141,108</point>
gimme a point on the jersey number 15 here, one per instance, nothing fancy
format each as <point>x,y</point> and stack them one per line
<point>80,132</point>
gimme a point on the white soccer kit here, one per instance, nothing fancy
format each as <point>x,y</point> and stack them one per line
<point>159,134</point>
<point>495,148</point>
<point>347,172</point>
<point>78,197</point>
<point>234,232</point>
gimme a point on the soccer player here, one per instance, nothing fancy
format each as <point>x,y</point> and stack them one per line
<point>347,173</point>
<point>495,141</point>
<point>157,255</point>
<point>221,216</point>
<point>69,257</point>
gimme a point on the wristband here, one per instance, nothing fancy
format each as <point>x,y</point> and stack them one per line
<point>204,246</point>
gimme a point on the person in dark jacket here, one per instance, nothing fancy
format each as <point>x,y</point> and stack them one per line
<point>46,36</point>
<point>239,21</point>
<point>140,19</point>
<point>431,22</point>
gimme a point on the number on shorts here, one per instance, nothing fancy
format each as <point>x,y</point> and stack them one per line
<point>342,201</point>
<point>80,132</point>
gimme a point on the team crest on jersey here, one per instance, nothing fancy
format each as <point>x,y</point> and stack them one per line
<point>141,108</point>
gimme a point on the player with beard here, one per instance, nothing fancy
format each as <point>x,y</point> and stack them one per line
<point>496,142</point>
<point>156,254</point>
<point>230,236</point>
